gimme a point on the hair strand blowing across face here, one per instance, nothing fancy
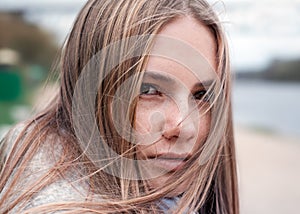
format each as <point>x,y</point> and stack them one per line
<point>99,24</point>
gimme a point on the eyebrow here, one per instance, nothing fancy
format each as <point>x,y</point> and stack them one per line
<point>169,80</point>
<point>159,77</point>
<point>206,83</point>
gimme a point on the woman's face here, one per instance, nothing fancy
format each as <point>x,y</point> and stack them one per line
<point>172,103</point>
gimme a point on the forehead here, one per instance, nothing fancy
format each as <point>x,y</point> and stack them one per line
<point>191,31</point>
<point>186,50</point>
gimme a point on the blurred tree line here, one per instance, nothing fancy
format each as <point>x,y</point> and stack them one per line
<point>35,46</point>
<point>281,70</point>
<point>278,70</point>
<point>26,55</point>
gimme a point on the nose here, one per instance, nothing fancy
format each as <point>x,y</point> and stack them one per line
<point>180,122</point>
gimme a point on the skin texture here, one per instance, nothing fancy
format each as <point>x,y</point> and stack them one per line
<point>172,109</point>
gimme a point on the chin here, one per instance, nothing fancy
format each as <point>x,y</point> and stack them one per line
<point>161,182</point>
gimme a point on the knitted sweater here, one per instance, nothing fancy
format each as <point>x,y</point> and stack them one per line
<point>68,188</point>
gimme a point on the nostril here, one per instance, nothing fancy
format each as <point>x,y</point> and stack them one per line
<point>171,133</point>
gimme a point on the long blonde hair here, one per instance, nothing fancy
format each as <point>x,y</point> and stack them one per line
<point>99,24</point>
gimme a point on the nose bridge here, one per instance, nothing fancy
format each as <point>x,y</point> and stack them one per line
<point>182,107</point>
<point>180,116</point>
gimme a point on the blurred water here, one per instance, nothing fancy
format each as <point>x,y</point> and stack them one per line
<point>268,106</point>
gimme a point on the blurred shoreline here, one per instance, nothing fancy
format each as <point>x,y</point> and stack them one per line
<point>269,171</point>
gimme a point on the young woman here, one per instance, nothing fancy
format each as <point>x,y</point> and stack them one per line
<point>142,122</point>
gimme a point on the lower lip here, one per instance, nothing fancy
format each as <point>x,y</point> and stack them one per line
<point>169,164</point>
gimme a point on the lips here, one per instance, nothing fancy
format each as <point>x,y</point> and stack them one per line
<point>169,161</point>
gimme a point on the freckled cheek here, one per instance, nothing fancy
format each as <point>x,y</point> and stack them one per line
<point>148,118</point>
<point>147,127</point>
<point>142,125</point>
<point>203,129</point>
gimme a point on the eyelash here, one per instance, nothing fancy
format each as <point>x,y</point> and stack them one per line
<point>148,89</point>
<point>204,95</point>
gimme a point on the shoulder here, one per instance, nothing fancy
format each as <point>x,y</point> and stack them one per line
<point>47,177</point>
<point>63,181</point>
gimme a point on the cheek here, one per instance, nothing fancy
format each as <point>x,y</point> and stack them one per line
<point>149,123</point>
<point>148,118</point>
<point>142,123</point>
<point>143,128</point>
<point>203,129</point>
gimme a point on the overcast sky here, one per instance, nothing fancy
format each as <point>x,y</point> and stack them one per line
<point>258,31</point>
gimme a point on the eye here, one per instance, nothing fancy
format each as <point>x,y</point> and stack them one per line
<point>202,95</point>
<point>149,89</point>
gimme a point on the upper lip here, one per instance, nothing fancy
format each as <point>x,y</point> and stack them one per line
<point>171,156</point>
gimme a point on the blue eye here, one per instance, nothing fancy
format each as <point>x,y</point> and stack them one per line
<point>202,95</point>
<point>149,89</point>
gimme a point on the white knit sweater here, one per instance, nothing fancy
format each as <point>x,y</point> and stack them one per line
<point>69,188</point>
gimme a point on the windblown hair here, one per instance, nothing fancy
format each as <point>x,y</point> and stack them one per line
<point>213,187</point>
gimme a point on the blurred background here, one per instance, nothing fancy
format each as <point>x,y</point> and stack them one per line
<point>264,39</point>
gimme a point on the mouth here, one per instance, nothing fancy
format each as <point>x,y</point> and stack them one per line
<point>169,161</point>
